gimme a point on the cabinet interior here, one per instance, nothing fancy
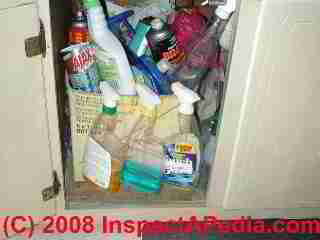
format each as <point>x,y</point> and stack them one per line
<point>85,195</point>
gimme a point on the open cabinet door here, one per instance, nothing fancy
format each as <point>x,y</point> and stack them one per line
<point>25,157</point>
<point>269,147</point>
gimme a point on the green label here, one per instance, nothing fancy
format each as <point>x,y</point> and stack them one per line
<point>109,71</point>
<point>109,111</point>
<point>91,3</point>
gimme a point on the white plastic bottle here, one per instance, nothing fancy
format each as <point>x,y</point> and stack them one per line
<point>112,61</point>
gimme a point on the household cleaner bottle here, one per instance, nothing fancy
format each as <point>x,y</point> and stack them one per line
<point>106,151</point>
<point>186,99</point>
<point>112,61</point>
<point>182,150</point>
<point>142,172</point>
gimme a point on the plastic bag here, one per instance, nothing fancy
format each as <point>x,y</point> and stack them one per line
<point>188,25</point>
<point>209,109</point>
<point>152,9</point>
<point>201,57</point>
<point>211,89</point>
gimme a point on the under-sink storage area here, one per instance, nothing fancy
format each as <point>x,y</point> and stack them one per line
<point>80,193</point>
<point>267,154</point>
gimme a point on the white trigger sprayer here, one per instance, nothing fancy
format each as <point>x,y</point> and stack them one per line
<point>223,12</point>
<point>225,7</point>
<point>186,98</point>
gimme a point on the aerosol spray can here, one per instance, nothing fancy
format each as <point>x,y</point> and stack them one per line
<point>163,43</point>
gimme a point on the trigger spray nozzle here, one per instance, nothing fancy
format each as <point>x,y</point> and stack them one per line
<point>186,98</point>
<point>225,11</point>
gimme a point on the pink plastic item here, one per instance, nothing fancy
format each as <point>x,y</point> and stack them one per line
<point>188,25</point>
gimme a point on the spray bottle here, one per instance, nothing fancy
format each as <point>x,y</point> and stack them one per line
<point>186,99</point>
<point>108,118</point>
<point>182,151</point>
<point>112,61</point>
<point>106,151</point>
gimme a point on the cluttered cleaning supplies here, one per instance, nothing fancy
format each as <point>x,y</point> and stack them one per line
<point>112,61</point>
<point>153,144</point>
<point>182,151</point>
<point>106,152</point>
<point>142,172</point>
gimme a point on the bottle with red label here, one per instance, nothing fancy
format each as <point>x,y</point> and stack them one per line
<point>79,33</point>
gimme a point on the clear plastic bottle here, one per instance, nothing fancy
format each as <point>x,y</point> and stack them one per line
<point>182,150</point>
<point>106,150</point>
<point>186,99</point>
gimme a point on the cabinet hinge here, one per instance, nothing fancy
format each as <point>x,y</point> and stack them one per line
<point>36,45</point>
<point>52,191</point>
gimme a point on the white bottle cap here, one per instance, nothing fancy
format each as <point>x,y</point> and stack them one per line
<point>225,11</point>
<point>147,97</point>
<point>110,96</point>
<point>186,97</point>
<point>157,24</point>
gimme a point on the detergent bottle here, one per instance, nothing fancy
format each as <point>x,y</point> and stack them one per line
<point>112,61</point>
<point>106,151</point>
